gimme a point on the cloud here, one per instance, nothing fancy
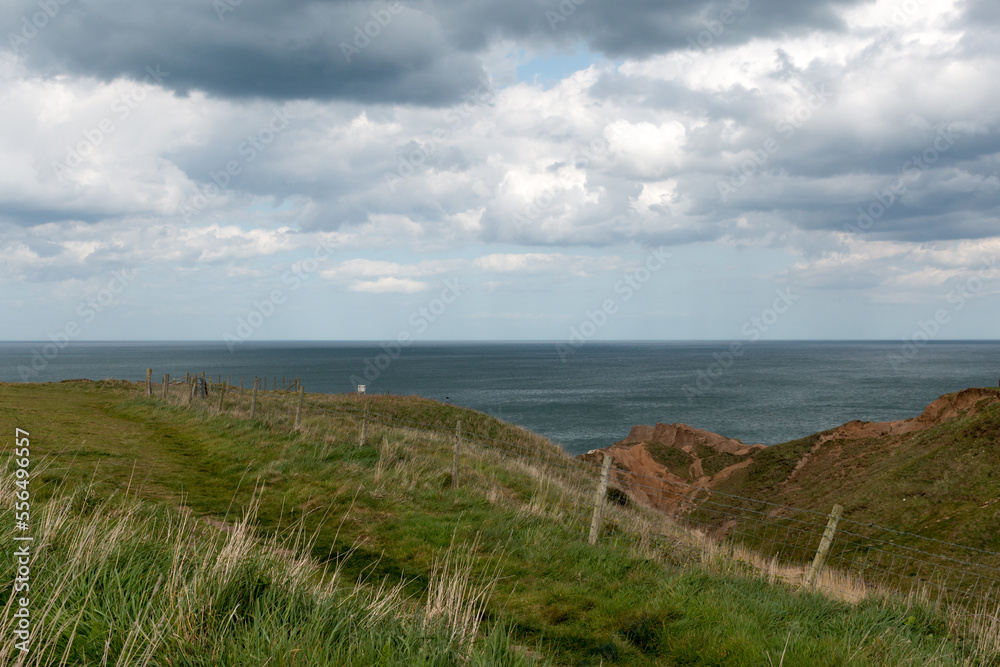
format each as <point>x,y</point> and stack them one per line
<point>291,50</point>
<point>808,129</point>
<point>512,265</point>
<point>895,271</point>
<point>369,268</point>
<point>526,263</point>
<point>426,52</point>
<point>389,285</point>
<point>629,152</point>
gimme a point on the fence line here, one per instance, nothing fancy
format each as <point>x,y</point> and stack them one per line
<point>781,534</point>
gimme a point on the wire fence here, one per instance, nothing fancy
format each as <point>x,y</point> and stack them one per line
<point>877,557</point>
<point>783,541</point>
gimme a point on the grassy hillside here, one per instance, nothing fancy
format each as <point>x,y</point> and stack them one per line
<point>188,535</point>
<point>942,482</point>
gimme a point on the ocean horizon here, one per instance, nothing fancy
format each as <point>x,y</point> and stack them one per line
<point>581,397</point>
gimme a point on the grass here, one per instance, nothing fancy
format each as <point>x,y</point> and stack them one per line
<point>185,535</point>
<point>125,582</point>
<point>940,483</point>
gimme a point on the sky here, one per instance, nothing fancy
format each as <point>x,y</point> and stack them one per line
<point>564,170</point>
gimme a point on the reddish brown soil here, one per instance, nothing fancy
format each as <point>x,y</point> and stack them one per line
<point>650,482</point>
<point>685,437</point>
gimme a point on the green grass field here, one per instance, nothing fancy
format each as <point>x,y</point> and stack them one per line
<point>170,534</point>
<point>940,483</point>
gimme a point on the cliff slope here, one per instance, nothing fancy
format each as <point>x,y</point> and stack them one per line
<point>937,473</point>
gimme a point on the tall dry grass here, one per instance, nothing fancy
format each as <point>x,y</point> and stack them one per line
<point>121,582</point>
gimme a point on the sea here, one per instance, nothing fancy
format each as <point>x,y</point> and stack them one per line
<point>583,397</point>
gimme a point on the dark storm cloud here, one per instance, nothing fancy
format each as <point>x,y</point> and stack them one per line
<point>291,50</point>
<point>644,27</point>
<point>419,52</point>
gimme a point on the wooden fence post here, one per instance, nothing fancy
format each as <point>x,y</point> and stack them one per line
<point>191,386</point>
<point>187,379</point>
<point>149,382</point>
<point>458,447</point>
<point>204,387</point>
<point>253,403</point>
<point>298,410</point>
<point>166,385</point>
<point>222,394</point>
<point>364,426</point>
<point>602,491</point>
<point>824,546</point>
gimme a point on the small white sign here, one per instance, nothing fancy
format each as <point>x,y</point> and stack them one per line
<point>361,388</point>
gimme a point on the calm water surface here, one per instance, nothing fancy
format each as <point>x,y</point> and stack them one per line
<point>775,391</point>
